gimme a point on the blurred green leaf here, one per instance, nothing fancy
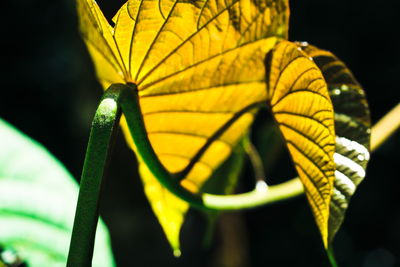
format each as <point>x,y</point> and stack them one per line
<point>37,203</point>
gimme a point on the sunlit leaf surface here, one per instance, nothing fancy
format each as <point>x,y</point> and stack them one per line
<point>198,66</point>
<point>352,125</point>
<point>37,204</point>
<point>300,103</point>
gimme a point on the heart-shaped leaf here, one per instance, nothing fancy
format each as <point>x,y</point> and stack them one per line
<point>198,67</point>
<point>300,103</point>
<point>37,204</point>
<point>353,131</point>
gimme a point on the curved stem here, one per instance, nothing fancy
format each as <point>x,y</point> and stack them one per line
<point>385,127</point>
<point>104,128</point>
<point>260,196</point>
<point>130,106</point>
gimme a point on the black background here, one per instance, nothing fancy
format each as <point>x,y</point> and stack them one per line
<point>49,92</point>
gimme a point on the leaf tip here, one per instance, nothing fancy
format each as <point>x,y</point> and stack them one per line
<point>177,252</point>
<point>325,241</point>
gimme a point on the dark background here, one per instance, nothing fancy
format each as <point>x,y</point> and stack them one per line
<point>49,92</point>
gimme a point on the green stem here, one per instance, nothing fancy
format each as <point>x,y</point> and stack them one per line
<point>331,257</point>
<point>104,127</point>
<point>258,197</point>
<point>131,109</point>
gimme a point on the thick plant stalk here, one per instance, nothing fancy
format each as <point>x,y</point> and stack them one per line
<point>104,127</point>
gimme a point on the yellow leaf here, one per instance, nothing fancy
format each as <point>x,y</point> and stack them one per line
<point>300,103</point>
<point>198,66</point>
<point>353,131</point>
<point>97,35</point>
